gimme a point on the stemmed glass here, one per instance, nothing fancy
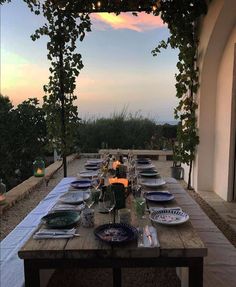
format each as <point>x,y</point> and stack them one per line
<point>89,198</point>
<point>109,201</point>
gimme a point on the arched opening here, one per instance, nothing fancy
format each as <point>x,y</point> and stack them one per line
<point>213,169</point>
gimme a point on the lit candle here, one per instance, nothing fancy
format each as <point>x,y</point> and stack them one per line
<point>39,171</point>
<point>115,164</point>
<point>124,181</point>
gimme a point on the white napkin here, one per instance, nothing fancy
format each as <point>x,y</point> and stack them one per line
<point>143,240</point>
<point>54,233</point>
<point>61,206</point>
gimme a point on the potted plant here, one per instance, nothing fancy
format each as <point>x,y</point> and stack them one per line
<point>177,171</point>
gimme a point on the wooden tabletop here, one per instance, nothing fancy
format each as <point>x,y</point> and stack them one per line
<point>175,241</point>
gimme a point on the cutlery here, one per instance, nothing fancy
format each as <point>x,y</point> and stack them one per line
<point>148,234</point>
<point>50,236</point>
<point>140,237</point>
<point>56,231</point>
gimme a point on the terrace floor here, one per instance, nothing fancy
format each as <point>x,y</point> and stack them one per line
<point>220,264</point>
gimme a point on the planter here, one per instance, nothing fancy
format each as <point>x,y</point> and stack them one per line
<point>177,172</point>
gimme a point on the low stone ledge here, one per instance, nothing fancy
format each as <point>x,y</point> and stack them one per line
<point>26,187</point>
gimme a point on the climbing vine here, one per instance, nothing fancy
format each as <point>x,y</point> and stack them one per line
<point>63,30</point>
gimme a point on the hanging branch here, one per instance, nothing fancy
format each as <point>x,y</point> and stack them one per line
<point>63,32</point>
<point>181,17</point>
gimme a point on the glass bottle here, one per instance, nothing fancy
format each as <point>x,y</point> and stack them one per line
<point>2,192</point>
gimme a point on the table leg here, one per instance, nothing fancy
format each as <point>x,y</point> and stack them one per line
<point>196,273</point>
<point>116,277</point>
<point>32,278</point>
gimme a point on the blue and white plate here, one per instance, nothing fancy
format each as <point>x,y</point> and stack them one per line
<point>116,233</point>
<point>159,196</point>
<point>169,217</point>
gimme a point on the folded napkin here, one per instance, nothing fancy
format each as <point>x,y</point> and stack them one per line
<point>147,237</point>
<point>61,207</point>
<point>54,233</point>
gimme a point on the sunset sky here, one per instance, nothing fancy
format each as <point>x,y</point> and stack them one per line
<point>119,68</point>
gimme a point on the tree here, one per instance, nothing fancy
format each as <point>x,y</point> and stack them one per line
<point>23,138</point>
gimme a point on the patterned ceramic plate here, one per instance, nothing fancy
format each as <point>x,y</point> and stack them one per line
<point>61,219</point>
<point>116,233</point>
<point>169,216</point>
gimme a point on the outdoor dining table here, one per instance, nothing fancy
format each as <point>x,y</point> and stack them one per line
<point>180,246</point>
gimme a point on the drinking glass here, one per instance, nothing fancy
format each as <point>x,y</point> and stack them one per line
<point>139,204</point>
<point>89,198</point>
<point>109,201</point>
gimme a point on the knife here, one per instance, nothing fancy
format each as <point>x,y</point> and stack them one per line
<point>148,234</point>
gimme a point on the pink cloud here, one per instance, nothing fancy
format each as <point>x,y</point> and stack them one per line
<point>127,21</point>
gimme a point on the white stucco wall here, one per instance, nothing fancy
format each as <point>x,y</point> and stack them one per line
<point>215,53</point>
<point>223,119</point>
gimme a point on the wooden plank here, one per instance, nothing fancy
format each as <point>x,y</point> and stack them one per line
<point>87,246</point>
<point>175,241</point>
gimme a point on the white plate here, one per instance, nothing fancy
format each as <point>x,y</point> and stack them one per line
<point>95,161</point>
<point>145,166</point>
<point>154,182</point>
<point>88,174</point>
<point>169,216</point>
<point>72,197</point>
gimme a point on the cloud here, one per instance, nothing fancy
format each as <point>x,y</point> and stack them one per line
<point>20,78</point>
<point>143,22</point>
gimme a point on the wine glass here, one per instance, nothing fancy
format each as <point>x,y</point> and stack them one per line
<point>109,201</point>
<point>89,198</point>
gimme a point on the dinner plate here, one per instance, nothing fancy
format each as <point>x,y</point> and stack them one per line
<point>91,166</point>
<point>61,219</point>
<point>143,161</point>
<point>116,233</point>
<point>155,182</point>
<point>94,161</point>
<point>81,183</point>
<point>159,196</point>
<point>145,166</point>
<point>169,216</point>
<point>149,173</point>
<point>88,174</point>
<point>73,197</point>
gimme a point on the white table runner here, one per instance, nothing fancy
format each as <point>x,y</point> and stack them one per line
<point>11,266</point>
